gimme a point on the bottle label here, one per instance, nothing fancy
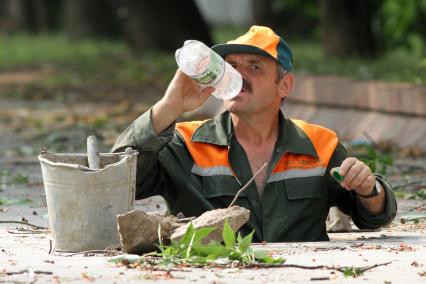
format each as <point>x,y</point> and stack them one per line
<point>214,70</point>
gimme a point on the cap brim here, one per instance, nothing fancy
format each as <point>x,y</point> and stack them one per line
<point>226,49</point>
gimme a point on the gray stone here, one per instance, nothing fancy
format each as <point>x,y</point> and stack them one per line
<point>337,221</point>
<point>236,216</point>
<point>138,230</point>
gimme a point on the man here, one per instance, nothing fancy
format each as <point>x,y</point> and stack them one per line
<point>200,166</point>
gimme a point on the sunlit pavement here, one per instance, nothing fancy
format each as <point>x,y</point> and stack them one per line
<point>399,250</point>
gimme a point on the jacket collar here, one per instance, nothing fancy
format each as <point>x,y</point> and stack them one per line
<point>219,131</point>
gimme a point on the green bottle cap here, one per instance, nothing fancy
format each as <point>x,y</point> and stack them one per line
<point>335,174</point>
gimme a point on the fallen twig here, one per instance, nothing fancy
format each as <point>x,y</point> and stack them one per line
<point>185,220</point>
<point>51,246</point>
<point>246,185</point>
<point>27,271</point>
<point>86,253</point>
<point>24,223</point>
<point>374,266</point>
<point>267,265</point>
<point>28,232</point>
<point>330,248</point>
<point>320,278</point>
<point>369,138</point>
<point>283,265</point>
<point>340,269</point>
<point>354,231</point>
<point>414,218</point>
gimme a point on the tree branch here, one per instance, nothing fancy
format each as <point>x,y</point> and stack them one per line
<point>246,185</point>
<point>24,223</point>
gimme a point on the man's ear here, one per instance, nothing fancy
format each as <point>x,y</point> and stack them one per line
<point>286,85</point>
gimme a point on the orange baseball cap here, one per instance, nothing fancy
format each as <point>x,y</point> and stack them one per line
<point>261,41</point>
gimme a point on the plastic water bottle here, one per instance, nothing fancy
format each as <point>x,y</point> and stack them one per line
<point>208,69</point>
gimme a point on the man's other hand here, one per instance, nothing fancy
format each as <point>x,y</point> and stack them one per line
<point>357,176</point>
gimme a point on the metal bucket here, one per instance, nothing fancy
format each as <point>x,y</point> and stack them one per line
<point>83,203</point>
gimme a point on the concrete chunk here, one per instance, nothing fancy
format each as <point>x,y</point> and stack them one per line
<point>138,230</point>
<point>337,221</point>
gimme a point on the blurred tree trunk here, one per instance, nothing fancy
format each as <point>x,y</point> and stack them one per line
<point>33,16</point>
<point>144,24</point>
<point>263,13</point>
<point>3,15</point>
<point>13,16</point>
<point>89,18</point>
<point>161,24</point>
<point>287,18</point>
<point>347,27</point>
<point>46,15</point>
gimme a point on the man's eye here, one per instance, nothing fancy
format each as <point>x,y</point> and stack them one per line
<point>255,67</point>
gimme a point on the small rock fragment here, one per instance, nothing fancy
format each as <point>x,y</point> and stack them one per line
<point>337,221</point>
<point>138,230</point>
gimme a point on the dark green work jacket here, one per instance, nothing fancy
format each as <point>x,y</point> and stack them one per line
<point>200,166</point>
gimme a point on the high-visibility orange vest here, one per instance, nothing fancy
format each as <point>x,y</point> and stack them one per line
<point>211,159</point>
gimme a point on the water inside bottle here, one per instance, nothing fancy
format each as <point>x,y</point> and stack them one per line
<point>207,68</point>
<point>202,65</point>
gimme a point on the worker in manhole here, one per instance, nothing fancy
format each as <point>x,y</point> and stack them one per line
<point>300,169</point>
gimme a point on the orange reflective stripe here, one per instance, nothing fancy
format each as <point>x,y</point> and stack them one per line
<point>296,161</point>
<point>324,140</point>
<point>205,155</point>
<point>210,159</point>
<point>297,165</point>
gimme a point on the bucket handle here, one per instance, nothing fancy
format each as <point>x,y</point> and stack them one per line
<point>129,152</point>
<point>70,166</point>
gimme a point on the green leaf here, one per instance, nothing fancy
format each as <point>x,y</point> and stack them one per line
<point>202,233</point>
<point>371,153</point>
<point>239,238</point>
<point>371,163</point>
<point>5,201</point>
<point>186,239</point>
<point>195,259</point>
<point>271,260</point>
<point>188,250</point>
<point>387,160</point>
<point>263,257</point>
<point>260,254</point>
<point>352,271</point>
<point>421,194</point>
<point>212,250</point>
<point>228,235</point>
<point>20,179</point>
<point>170,251</point>
<point>235,255</point>
<point>244,244</point>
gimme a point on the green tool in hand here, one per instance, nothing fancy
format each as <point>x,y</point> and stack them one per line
<point>336,175</point>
